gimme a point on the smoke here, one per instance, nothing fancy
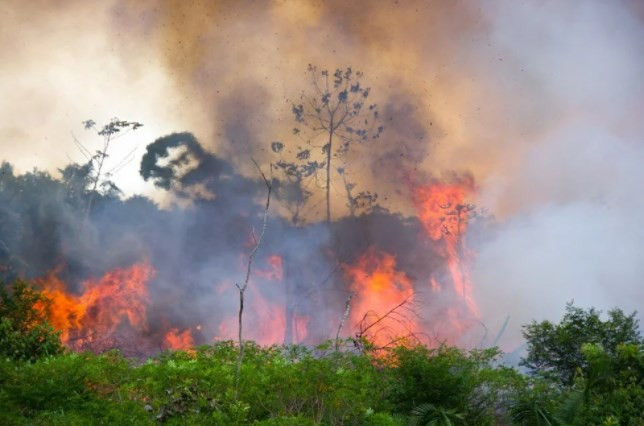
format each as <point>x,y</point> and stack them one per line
<point>570,213</point>
<point>539,101</point>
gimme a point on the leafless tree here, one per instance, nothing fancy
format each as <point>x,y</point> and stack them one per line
<point>242,287</point>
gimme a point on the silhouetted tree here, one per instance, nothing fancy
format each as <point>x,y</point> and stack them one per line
<point>109,132</point>
<point>556,349</point>
<point>335,113</point>
<point>251,256</point>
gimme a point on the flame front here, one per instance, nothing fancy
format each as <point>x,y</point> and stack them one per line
<point>112,311</point>
<point>383,305</point>
<point>268,315</point>
<point>116,300</point>
<point>382,301</point>
<point>176,340</point>
<point>444,214</point>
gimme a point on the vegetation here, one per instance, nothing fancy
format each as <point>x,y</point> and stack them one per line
<point>42,384</point>
<point>24,333</point>
<point>556,349</point>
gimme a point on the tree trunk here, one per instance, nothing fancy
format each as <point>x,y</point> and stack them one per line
<point>240,356</point>
<point>289,303</point>
<point>92,194</point>
<point>347,309</point>
<point>328,173</point>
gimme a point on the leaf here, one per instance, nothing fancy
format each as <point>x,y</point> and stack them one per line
<point>277,146</point>
<point>304,155</point>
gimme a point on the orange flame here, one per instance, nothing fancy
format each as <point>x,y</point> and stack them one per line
<point>382,298</point>
<point>117,299</point>
<point>444,213</point>
<point>176,340</point>
<point>268,317</point>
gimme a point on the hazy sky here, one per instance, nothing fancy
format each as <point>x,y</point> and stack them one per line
<point>541,100</point>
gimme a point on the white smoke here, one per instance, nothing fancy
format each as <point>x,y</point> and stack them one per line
<point>572,206</point>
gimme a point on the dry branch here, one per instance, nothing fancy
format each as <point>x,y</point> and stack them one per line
<point>344,318</point>
<point>251,257</point>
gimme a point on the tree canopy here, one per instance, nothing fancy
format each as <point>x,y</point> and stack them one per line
<point>556,349</point>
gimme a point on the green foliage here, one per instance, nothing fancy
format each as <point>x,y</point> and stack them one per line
<point>455,383</point>
<point>556,349</point>
<point>275,382</point>
<point>68,389</point>
<point>24,331</point>
<point>591,371</point>
<point>299,386</point>
<point>612,388</point>
<point>534,403</point>
<point>431,415</point>
<point>289,385</point>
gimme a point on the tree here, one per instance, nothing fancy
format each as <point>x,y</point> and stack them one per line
<point>242,287</point>
<point>612,387</point>
<point>109,132</point>
<point>334,113</point>
<point>25,333</point>
<point>556,349</point>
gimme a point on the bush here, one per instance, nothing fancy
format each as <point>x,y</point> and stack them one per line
<point>295,385</point>
<point>450,381</point>
<point>24,331</point>
<point>556,349</point>
<point>68,389</point>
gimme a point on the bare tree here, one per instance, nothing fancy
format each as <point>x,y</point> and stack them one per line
<point>334,114</point>
<point>242,287</point>
<point>109,132</point>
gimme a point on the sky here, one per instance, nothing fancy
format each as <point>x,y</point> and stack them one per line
<point>540,101</point>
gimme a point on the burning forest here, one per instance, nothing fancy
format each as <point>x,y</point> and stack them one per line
<point>142,279</point>
<point>206,201</point>
<point>482,167</point>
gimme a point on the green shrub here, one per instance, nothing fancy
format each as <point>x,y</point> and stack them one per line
<point>24,331</point>
<point>68,388</point>
<point>295,385</point>
<point>451,381</point>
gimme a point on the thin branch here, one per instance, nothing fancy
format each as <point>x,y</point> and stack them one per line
<point>81,147</point>
<point>386,315</point>
<point>124,161</point>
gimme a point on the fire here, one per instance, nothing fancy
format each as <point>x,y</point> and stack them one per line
<point>380,307</point>
<point>176,340</point>
<point>265,319</point>
<point>444,214</point>
<point>106,305</point>
<point>269,323</point>
<point>275,270</point>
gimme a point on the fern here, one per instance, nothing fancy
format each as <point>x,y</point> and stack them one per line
<point>430,415</point>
